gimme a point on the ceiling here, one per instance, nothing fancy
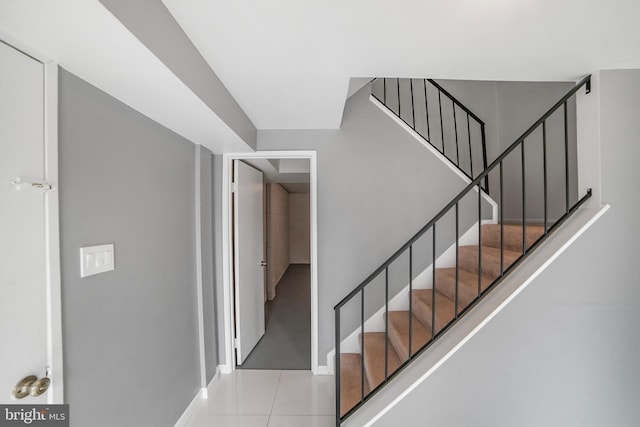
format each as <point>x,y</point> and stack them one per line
<point>291,64</point>
<point>288,62</point>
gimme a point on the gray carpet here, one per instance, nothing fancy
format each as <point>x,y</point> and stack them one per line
<point>286,343</point>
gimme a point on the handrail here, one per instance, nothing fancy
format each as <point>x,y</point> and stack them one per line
<point>463,193</point>
<point>454,99</point>
<point>437,140</point>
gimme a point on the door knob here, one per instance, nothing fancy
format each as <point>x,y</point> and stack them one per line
<point>31,385</point>
<point>23,388</point>
<point>263,263</point>
<point>40,386</point>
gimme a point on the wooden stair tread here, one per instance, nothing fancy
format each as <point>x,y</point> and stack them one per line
<point>350,382</point>
<point>468,259</point>
<point>512,235</point>
<point>444,309</point>
<point>374,345</point>
<point>399,333</point>
<point>467,284</point>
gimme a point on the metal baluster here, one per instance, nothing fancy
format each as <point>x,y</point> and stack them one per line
<point>362,345</point>
<point>386,323</point>
<point>544,170</point>
<point>410,299</point>
<point>441,126</point>
<point>337,365</point>
<point>398,85</point>
<point>384,90</point>
<point>566,156</point>
<point>457,260</point>
<point>426,107</point>
<point>470,151</point>
<point>455,128</point>
<point>479,239</point>
<point>501,222</point>
<point>433,287</point>
<point>484,156</point>
<point>413,109</point>
<point>524,203</point>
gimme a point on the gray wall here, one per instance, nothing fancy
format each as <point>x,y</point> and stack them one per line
<point>299,225</point>
<point>151,22</point>
<point>565,351</point>
<point>277,199</point>
<point>130,335</point>
<point>207,245</point>
<point>376,187</point>
<point>509,109</point>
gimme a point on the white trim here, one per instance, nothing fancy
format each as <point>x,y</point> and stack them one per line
<point>227,248</point>
<point>489,317</point>
<point>202,394</point>
<point>191,408</point>
<point>199,290</point>
<point>433,149</point>
<point>324,370</point>
<point>53,289</point>
<point>54,351</point>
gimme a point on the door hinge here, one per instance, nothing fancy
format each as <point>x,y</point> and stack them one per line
<point>234,187</point>
<point>236,343</point>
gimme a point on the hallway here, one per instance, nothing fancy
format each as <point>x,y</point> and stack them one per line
<point>286,343</point>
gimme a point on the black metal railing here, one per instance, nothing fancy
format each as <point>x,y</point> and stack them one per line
<point>555,185</point>
<point>439,118</point>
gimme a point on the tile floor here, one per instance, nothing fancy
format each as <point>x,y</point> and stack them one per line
<point>260,398</point>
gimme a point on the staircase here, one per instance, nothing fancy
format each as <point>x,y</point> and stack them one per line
<point>424,321</point>
<point>454,288</point>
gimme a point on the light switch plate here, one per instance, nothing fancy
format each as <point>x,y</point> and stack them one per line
<point>96,259</point>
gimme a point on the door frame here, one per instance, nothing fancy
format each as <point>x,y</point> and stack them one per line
<point>55,394</point>
<point>227,248</point>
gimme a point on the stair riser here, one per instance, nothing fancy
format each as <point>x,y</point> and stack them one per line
<point>512,237</point>
<point>424,313</point>
<point>446,285</point>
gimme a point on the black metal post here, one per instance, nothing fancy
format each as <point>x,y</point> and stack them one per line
<point>501,222</point>
<point>484,157</point>
<point>544,171</point>
<point>337,365</point>
<point>524,204</point>
<point>413,109</point>
<point>426,107</point>
<point>457,260</point>
<point>441,125</point>
<point>410,299</point>
<point>455,128</point>
<point>470,150</point>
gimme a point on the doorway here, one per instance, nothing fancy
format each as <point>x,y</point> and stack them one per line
<point>286,343</point>
<point>295,282</point>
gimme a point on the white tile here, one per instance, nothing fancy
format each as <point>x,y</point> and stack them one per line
<point>214,420</point>
<point>302,420</point>
<point>302,393</point>
<point>244,392</point>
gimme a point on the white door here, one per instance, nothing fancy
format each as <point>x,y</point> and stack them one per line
<point>23,272</point>
<point>248,258</point>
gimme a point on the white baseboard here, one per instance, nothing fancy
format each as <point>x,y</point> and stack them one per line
<point>188,412</point>
<point>202,394</point>
<point>324,370</point>
<point>224,369</point>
